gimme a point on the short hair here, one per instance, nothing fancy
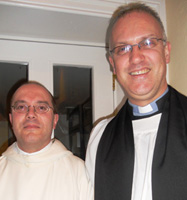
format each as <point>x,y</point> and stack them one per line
<point>129,8</point>
<point>31,83</point>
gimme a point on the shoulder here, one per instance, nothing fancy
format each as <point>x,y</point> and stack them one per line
<point>67,156</point>
<point>182,98</point>
<point>98,130</point>
<point>92,147</point>
<point>7,155</point>
<point>9,151</point>
<point>96,134</point>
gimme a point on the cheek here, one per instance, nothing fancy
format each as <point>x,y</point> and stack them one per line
<point>121,64</point>
<point>16,120</point>
<point>156,59</point>
<point>47,121</point>
<point>161,63</point>
<point>17,124</point>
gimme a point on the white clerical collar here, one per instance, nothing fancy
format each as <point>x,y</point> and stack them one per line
<point>148,109</point>
<point>34,153</point>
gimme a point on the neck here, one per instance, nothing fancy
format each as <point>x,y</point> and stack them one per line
<point>149,109</point>
<point>32,151</point>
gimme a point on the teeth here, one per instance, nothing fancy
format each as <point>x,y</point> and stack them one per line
<point>144,71</point>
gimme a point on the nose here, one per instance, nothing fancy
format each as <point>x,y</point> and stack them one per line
<point>31,114</point>
<point>136,55</point>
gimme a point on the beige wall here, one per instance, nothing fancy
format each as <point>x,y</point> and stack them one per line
<point>176,16</point>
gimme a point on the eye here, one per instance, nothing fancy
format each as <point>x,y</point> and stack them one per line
<point>20,107</point>
<point>123,49</point>
<point>42,108</point>
<point>148,43</point>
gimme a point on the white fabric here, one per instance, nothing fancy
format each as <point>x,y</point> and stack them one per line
<point>91,151</point>
<point>19,151</point>
<point>145,109</point>
<point>145,132</point>
<point>53,174</point>
<point>145,137</point>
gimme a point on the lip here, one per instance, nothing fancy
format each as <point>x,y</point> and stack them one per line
<point>140,72</point>
<point>31,126</point>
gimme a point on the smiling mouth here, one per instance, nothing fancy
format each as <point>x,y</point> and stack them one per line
<point>140,72</point>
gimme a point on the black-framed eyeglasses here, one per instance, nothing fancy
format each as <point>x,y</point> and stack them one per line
<point>38,108</point>
<point>147,43</point>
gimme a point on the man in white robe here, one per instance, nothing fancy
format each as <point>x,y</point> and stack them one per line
<point>37,167</point>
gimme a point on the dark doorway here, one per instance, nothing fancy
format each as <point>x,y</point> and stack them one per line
<point>73,95</point>
<point>10,74</point>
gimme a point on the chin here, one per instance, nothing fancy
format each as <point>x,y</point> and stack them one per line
<point>142,91</point>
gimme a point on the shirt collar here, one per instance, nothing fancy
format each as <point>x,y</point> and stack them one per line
<point>148,109</point>
<point>34,153</point>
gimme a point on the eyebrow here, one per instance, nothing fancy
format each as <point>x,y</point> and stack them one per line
<point>22,101</point>
<point>19,101</point>
<point>141,39</point>
<point>45,102</point>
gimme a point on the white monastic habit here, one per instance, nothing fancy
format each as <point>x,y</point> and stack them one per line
<point>53,173</point>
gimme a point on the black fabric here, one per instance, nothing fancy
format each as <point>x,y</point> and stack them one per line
<point>115,154</point>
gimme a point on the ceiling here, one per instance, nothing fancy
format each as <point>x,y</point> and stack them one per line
<point>36,24</point>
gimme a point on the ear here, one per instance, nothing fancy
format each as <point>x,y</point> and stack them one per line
<point>10,118</point>
<point>167,52</point>
<point>112,63</point>
<point>55,121</point>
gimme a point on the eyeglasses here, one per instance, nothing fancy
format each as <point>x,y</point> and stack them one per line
<point>148,43</point>
<point>24,108</point>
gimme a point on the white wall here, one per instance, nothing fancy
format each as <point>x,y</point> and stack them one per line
<point>177,34</point>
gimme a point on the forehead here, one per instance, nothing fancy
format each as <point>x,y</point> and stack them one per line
<point>31,93</point>
<point>136,25</point>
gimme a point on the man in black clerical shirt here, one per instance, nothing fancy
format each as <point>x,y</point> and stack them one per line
<point>141,154</point>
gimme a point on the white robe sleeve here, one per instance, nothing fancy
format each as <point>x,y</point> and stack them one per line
<point>95,137</point>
